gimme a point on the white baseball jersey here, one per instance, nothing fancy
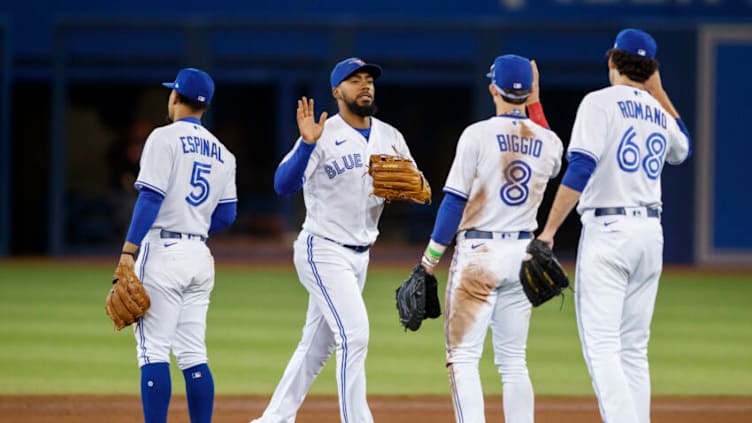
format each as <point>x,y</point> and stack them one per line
<point>193,170</point>
<point>501,167</point>
<point>630,136</point>
<point>338,191</point>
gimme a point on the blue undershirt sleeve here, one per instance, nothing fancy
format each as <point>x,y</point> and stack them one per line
<point>448,218</point>
<point>685,131</point>
<point>288,178</point>
<point>223,216</point>
<point>144,214</point>
<point>581,167</point>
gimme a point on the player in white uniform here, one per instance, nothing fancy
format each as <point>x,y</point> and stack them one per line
<point>621,137</point>
<point>331,253</point>
<point>187,190</point>
<point>492,194</point>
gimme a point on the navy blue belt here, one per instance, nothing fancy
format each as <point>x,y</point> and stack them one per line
<point>473,234</point>
<point>356,248</point>
<point>177,235</point>
<point>610,211</point>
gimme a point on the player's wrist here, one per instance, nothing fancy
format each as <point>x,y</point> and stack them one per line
<point>129,249</point>
<point>432,254</point>
<point>309,140</point>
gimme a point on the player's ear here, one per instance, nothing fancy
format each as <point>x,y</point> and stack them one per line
<point>492,90</point>
<point>335,93</point>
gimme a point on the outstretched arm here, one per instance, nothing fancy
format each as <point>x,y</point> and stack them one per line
<point>565,200</point>
<point>581,167</point>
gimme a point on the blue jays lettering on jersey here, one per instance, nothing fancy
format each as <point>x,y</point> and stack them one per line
<point>344,163</point>
<point>337,189</point>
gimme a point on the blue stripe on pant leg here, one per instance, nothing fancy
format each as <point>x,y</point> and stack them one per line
<point>141,334</point>
<point>343,374</point>
<point>456,395</point>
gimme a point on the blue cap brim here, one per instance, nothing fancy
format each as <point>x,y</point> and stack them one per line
<point>373,70</point>
<point>170,85</point>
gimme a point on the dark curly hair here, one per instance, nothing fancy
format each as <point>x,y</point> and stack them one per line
<point>193,104</point>
<point>636,68</point>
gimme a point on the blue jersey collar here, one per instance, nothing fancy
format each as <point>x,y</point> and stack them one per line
<point>190,119</point>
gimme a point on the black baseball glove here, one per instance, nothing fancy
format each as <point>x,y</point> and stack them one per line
<point>541,276</point>
<point>418,298</point>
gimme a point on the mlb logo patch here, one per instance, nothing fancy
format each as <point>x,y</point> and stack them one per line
<point>201,98</point>
<point>517,85</point>
<point>641,52</point>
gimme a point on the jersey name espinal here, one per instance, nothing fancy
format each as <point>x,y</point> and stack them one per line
<point>201,146</point>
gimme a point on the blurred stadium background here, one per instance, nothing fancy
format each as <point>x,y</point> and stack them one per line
<point>79,92</point>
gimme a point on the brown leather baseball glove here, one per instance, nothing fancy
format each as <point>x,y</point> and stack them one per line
<point>127,300</point>
<point>397,178</point>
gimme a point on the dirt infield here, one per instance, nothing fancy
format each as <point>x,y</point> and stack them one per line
<point>112,409</point>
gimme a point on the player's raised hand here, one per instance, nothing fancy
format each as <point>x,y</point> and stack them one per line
<point>655,87</point>
<point>534,96</point>
<point>310,130</point>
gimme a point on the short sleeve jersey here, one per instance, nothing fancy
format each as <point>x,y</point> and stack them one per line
<point>194,172</point>
<point>630,136</point>
<point>501,167</point>
<point>337,189</point>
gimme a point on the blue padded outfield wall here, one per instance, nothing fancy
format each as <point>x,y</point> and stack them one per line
<point>56,49</point>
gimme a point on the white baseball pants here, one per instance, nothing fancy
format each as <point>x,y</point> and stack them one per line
<point>334,276</point>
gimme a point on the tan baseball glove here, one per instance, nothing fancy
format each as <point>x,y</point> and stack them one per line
<point>127,300</point>
<point>397,178</point>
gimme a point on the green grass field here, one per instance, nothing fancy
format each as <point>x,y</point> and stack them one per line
<point>56,338</point>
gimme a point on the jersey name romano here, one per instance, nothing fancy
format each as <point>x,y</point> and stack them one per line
<point>634,110</point>
<point>201,146</point>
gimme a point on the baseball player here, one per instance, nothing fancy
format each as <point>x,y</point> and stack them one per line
<point>621,138</point>
<point>492,194</point>
<point>331,253</point>
<point>186,191</point>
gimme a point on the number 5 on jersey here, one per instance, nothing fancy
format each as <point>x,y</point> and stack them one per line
<point>200,183</point>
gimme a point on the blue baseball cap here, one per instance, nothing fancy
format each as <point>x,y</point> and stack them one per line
<point>351,65</point>
<point>511,72</point>
<point>194,84</point>
<point>636,42</point>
